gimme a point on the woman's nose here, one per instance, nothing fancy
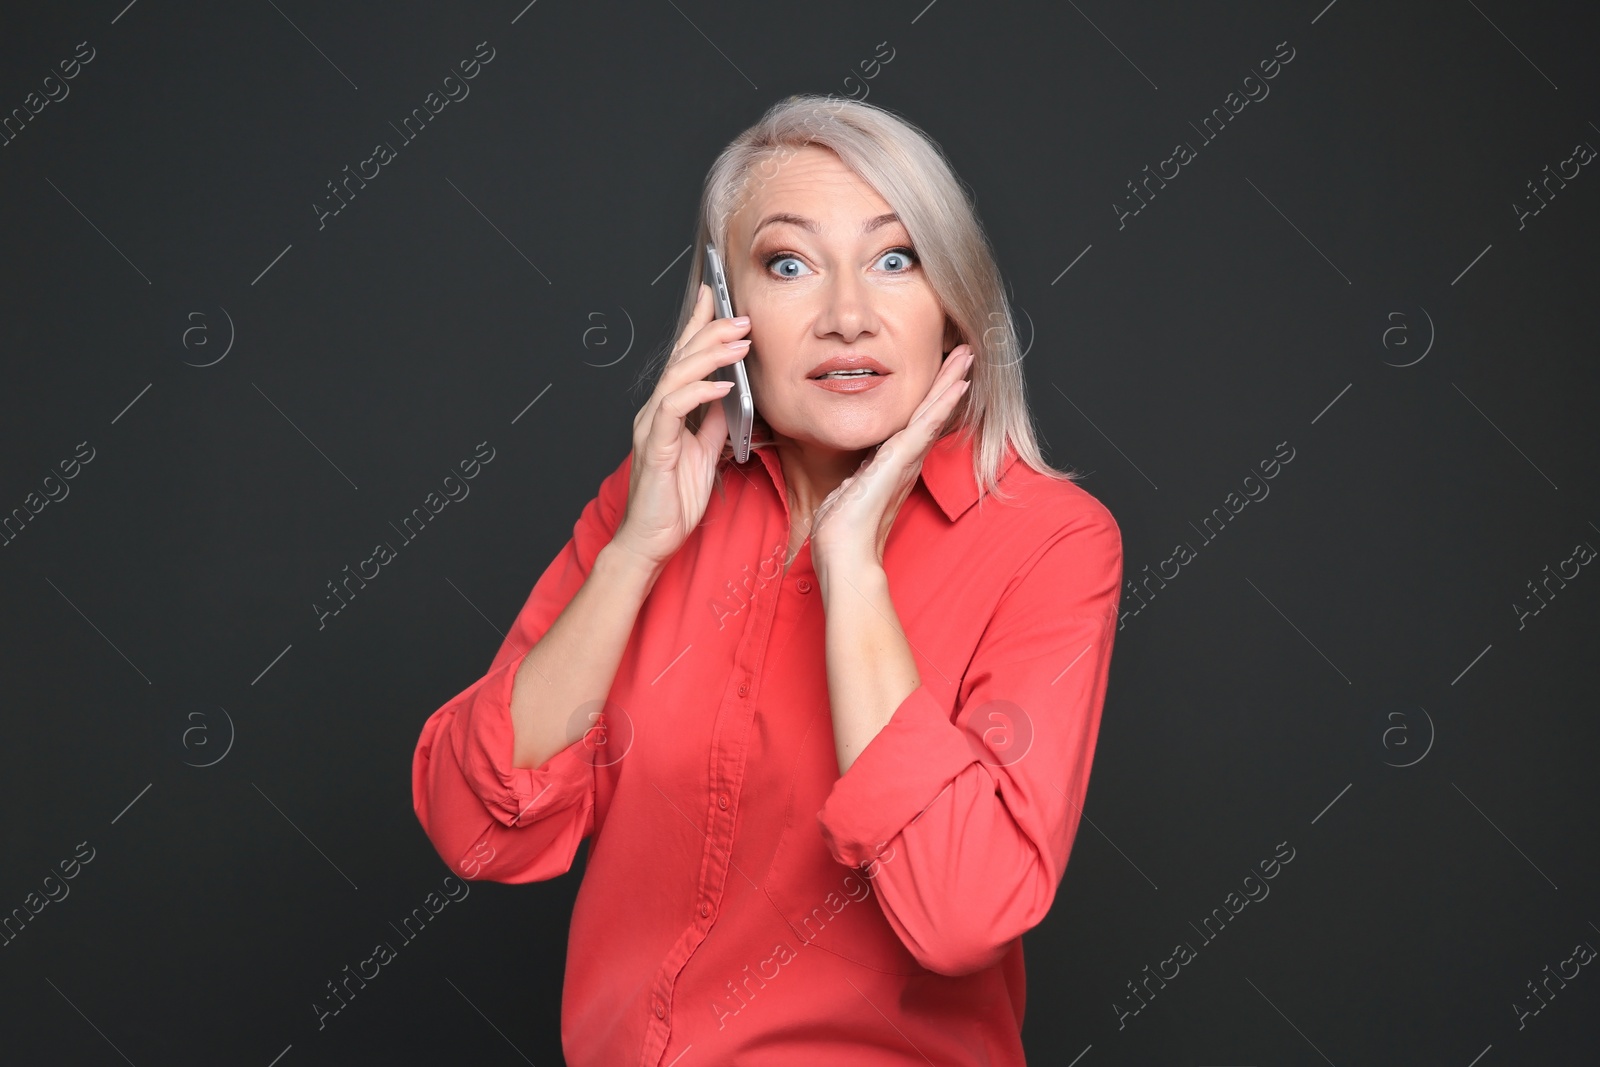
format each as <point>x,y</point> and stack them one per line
<point>848,309</point>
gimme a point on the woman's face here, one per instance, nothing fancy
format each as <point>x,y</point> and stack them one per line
<point>821,266</point>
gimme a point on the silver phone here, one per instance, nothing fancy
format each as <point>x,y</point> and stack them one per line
<point>738,404</point>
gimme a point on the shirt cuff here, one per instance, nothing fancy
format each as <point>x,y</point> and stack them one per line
<point>515,796</point>
<point>895,778</point>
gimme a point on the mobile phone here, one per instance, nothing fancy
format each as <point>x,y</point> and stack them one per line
<point>738,404</point>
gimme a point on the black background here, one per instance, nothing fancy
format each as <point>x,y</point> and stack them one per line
<point>522,251</point>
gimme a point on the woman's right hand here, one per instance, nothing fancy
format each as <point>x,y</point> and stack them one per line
<point>669,483</point>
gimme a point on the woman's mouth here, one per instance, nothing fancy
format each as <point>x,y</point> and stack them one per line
<point>849,381</point>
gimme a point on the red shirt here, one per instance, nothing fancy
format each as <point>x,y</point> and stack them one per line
<point>743,902</point>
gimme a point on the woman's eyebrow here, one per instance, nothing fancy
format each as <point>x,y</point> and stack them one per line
<point>815,227</point>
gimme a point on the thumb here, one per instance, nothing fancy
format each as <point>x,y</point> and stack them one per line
<point>713,429</point>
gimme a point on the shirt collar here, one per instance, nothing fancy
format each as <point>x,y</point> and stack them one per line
<point>946,471</point>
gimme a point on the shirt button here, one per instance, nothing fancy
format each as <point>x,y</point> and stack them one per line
<point>705,909</point>
<point>661,1011</point>
<point>722,801</point>
<point>804,585</point>
<point>744,688</point>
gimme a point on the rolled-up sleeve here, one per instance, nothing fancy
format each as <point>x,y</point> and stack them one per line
<point>487,819</point>
<point>964,821</point>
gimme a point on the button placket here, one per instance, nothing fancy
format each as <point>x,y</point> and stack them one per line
<point>733,719</point>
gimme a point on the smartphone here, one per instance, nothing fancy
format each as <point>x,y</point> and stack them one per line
<point>738,404</point>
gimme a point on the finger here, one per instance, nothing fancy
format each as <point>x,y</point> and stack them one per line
<point>704,315</point>
<point>884,479</point>
<point>698,317</point>
<point>667,424</point>
<point>947,397</point>
<point>939,411</point>
<point>906,450</point>
<point>717,345</point>
<point>957,365</point>
<point>950,373</point>
<point>667,382</point>
<point>689,360</point>
<point>714,426</point>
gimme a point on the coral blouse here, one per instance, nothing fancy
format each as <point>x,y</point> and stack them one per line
<point>725,845</point>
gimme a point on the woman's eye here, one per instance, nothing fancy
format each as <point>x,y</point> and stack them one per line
<point>899,259</point>
<point>788,266</point>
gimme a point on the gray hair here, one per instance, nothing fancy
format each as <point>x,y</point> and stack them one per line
<point>911,173</point>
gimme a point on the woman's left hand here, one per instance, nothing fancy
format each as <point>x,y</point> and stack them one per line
<point>851,527</point>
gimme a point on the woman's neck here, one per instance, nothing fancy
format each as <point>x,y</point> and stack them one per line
<point>810,474</point>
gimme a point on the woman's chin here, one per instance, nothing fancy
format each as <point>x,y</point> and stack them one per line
<point>855,436</point>
<point>854,425</point>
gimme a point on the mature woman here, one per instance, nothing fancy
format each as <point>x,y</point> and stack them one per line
<point>842,704</point>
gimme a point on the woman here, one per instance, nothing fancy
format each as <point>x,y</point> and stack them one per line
<point>831,726</point>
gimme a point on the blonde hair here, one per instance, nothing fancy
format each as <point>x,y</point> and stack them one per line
<point>911,173</point>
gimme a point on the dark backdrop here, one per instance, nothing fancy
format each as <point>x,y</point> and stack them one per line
<point>1351,669</point>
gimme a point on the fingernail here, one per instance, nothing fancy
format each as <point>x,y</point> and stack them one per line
<point>742,320</point>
